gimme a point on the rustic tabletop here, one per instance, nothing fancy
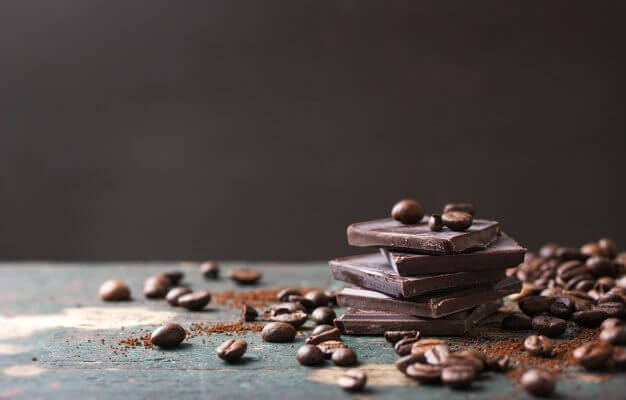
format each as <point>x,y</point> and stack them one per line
<point>59,340</point>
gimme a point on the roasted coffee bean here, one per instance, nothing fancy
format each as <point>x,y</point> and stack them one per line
<point>321,328</point>
<point>437,355</point>
<point>395,336</point>
<point>457,220</point>
<point>538,383</point>
<point>616,335</point>
<point>570,253</point>
<point>232,349</point>
<point>535,304</point>
<point>174,293</point>
<point>464,358</point>
<point>309,355</point>
<point>499,363</point>
<point>618,359</point>
<point>285,308</point>
<point>283,295</point>
<point>323,315</point>
<point>604,284</point>
<point>465,207</point>
<point>591,249</point>
<point>549,326</point>
<point>407,211</point>
<point>403,362</point>
<point>156,287</point>
<point>589,318</point>
<point>114,290</point>
<point>435,223</point>
<point>174,276</point>
<point>548,250</point>
<point>169,334</point>
<point>612,310</point>
<point>581,300</point>
<point>248,313</point>
<point>210,270</point>
<point>330,346</point>
<point>562,307</point>
<point>404,345</point>
<point>194,301</point>
<point>296,319</point>
<point>304,302</point>
<point>582,283</point>
<point>331,334</point>
<point>608,247</point>
<point>245,276</point>
<point>317,297</point>
<point>332,297</point>
<point>424,373</point>
<point>477,354</point>
<point>422,345</point>
<point>344,357</point>
<point>610,298</point>
<point>458,376</point>
<point>352,380</point>
<point>516,322</point>
<point>539,346</point>
<point>278,332</point>
<point>611,323</point>
<point>593,355</point>
<point>570,269</point>
<point>600,266</point>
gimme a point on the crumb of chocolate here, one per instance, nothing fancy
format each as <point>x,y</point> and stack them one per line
<point>133,342</point>
<point>239,327</point>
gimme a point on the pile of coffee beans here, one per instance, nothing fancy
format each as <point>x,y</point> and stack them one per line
<point>325,343</point>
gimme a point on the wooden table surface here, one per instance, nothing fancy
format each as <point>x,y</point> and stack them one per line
<point>52,325</point>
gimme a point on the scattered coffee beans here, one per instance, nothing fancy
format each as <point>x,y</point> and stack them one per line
<point>458,376</point>
<point>210,270</point>
<point>593,355</point>
<point>535,304</point>
<point>422,345</point>
<point>437,355</point>
<point>114,290</point>
<point>232,350</point>
<point>538,383</point>
<point>589,318</point>
<point>169,334</point>
<point>539,346</point>
<point>352,380</point>
<point>395,336</point>
<point>174,276</point>
<point>403,363</point>
<point>317,297</point>
<point>248,313</point>
<point>330,334</point>
<point>562,307</point>
<point>516,322</point>
<point>407,211</point>
<point>435,223</point>
<point>278,332</point>
<point>330,346</point>
<point>174,293</point>
<point>549,326</point>
<point>321,328</point>
<point>424,373</point>
<point>244,276</point>
<point>297,319</point>
<point>304,302</point>
<point>323,315</point>
<point>403,346</point>
<point>283,295</point>
<point>457,220</point>
<point>194,301</point>
<point>309,355</point>
<point>343,357</point>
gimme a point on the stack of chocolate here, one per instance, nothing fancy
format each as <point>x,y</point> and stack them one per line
<point>439,275</point>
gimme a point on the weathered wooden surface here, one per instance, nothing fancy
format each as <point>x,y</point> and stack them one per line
<point>51,312</point>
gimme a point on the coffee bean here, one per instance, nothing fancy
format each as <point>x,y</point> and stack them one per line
<point>403,362</point>
<point>309,355</point>
<point>244,276</point>
<point>618,359</point>
<point>330,346</point>
<point>499,363</point>
<point>589,318</point>
<point>352,380</point>
<point>174,293</point>
<point>616,335</point>
<point>195,301</point>
<point>248,313</point>
<point>395,336</point>
<point>535,304</point>
<point>278,332</point>
<point>464,358</point>
<point>477,354</point>
<point>570,253</point>
<point>458,376</point>
<point>285,308</point>
<point>404,345</point>
<point>593,355</point>
<point>548,250</point>
<point>611,323</point>
<point>612,310</point>
<point>562,307</point>
<point>331,334</point>
<point>156,286</point>
<point>516,322</point>
<point>608,247</point>
<point>424,373</point>
<point>407,211</point>
<point>283,295</point>
<point>304,302</point>
<point>610,298</point>
<point>210,270</point>
<point>437,355</point>
<point>321,328</point>
<point>549,326</point>
<point>169,334</point>
<point>457,220</point>
<point>232,349</point>
<point>538,383</point>
<point>604,283</point>
<point>581,300</point>
<point>317,297</point>
<point>464,207</point>
<point>591,249</point>
<point>435,223</point>
<point>570,269</point>
<point>296,319</point>
<point>539,346</point>
<point>114,290</point>
<point>323,315</point>
<point>422,345</point>
<point>174,276</point>
<point>600,266</point>
<point>344,357</point>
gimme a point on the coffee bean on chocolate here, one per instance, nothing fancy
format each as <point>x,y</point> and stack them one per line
<point>323,315</point>
<point>616,335</point>
<point>344,357</point>
<point>278,332</point>
<point>317,297</point>
<point>458,376</point>
<point>321,328</point>
<point>245,276</point>
<point>330,334</point>
<point>114,290</point>
<point>608,247</point>
<point>156,286</point>
<point>403,362</point>
<point>194,301</point>
<point>248,313</point>
<point>232,349</point>
<point>600,266</point>
<point>618,359</point>
<point>424,373</point>
<point>499,363</point>
<point>591,249</point>
<point>539,346</point>
<point>535,304</point>
<point>594,355</point>
<point>562,307</point>
<point>589,318</point>
<point>548,326</point>
<point>611,323</point>
<point>405,345</point>
<point>457,220</point>
<point>435,223</point>
<point>328,347</point>
<point>210,270</point>
<point>464,207</point>
<point>174,293</point>
<point>407,211</point>
<point>516,322</point>
<point>174,276</point>
<point>309,355</point>
<point>296,319</point>
<point>169,334</point>
<point>610,298</point>
<point>352,380</point>
<point>548,250</point>
<point>437,355</point>
<point>611,309</point>
<point>538,383</point>
<point>395,336</point>
<point>422,345</point>
<point>283,295</point>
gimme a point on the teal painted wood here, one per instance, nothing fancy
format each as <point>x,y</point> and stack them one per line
<point>52,312</point>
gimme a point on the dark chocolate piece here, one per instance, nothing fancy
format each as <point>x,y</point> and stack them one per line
<point>430,305</point>
<point>419,238</point>
<point>503,253</point>
<point>371,271</point>
<point>361,322</point>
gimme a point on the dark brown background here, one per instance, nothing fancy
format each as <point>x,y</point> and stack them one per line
<point>260,129</point>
